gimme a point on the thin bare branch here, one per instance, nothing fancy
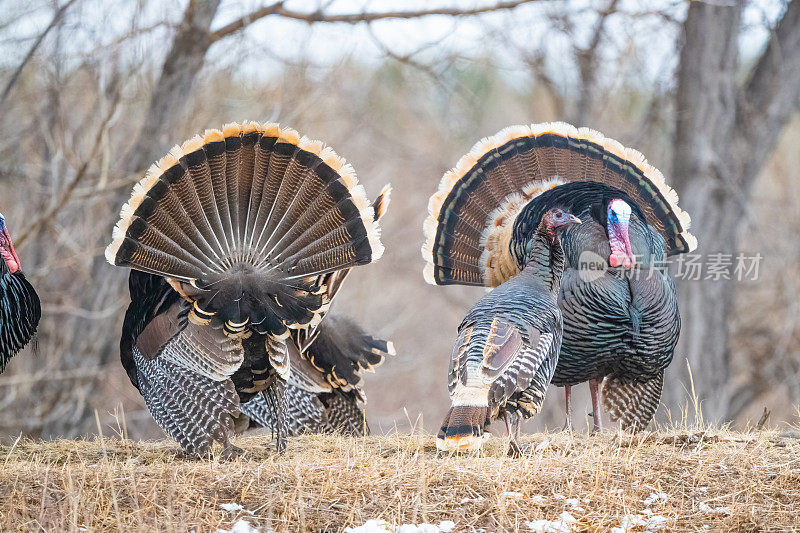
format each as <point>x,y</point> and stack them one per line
<point>79,176</point>
<point>355,18</point>
<point>15,76</point>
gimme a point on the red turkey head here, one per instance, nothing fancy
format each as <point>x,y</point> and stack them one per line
<point>557,219</point>
<point>7,248</point>
<point>617,220</point>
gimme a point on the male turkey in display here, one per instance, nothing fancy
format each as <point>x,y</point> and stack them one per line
<point>20,309</point>
<point>323,393</point>
<point>242,238</point>
<point>507,346</point>
<point>621,319</point>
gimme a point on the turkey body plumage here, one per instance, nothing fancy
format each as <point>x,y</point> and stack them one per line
<point>20,309</point>
<point>507,348</point>
<point>621,325</point>
<point>621,322</point>
<point>618,322</point>
<point>239,240</point>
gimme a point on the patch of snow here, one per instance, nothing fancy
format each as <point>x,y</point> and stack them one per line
<point>446,526</point>
<point>231,507</point>
<point>538,499</point>
<point>563,524</point>
<point>542,446</point>
<point>655,497</point>
<point>370,526</point>
<point>512,495</point>
<point>705,508</point>
<point>648,521</point>
<point>574,504</point>
<point>241,526</point>
<point>472,500</point>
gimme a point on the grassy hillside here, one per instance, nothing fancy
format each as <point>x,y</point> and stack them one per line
<point>677,481</point>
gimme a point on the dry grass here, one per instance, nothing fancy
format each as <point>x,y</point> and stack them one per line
<point>328,483</point>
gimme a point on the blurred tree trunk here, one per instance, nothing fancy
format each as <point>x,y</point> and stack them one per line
<point>724,134</point>
<point>168,102</point>
<point>173,89</point>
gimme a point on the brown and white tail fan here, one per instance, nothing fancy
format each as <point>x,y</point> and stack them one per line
<point>471,217</point>
<point>244,222</point>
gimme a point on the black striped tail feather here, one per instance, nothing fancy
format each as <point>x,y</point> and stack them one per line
<point>632,403</point>
<point>464,428</point>
<point>20,312</point>
<point>471,223</point>
<point>244,221</point>
<point>342,350</point>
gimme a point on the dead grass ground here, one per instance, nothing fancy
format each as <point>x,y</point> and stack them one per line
<point>701,481</point>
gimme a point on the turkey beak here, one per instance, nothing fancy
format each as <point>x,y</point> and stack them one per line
<point>574,220</point>
<point>7,251</point>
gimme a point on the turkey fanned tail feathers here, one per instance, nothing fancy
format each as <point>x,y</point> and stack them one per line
<point>20,312</point>
<point>243,221</point>
<point>239,239</point>
<point>472,217</point>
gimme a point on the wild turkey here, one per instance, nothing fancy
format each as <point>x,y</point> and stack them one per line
<point>621,321</point>
<point>20,309</point>
<point>323,393</point>
<point>507,346</point>
<point>242,237</point>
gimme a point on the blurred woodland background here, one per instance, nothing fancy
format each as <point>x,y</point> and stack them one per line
<point>93,91</point>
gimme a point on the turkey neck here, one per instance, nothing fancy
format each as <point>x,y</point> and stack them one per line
<point>545,262</point>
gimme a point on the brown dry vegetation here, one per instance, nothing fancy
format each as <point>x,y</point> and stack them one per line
<point>329,483</point>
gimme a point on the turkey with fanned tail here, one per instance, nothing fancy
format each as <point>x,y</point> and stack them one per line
<point>20,309</point>
<point>239,239</point>
<point>507,345</point>
<point>621,319</point>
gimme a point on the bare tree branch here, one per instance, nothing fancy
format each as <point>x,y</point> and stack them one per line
<point>14,77</point>
<point>66,195</point>
<point>354,18</point>
<point>587,64</point>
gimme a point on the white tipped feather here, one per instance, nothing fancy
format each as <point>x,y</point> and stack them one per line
<point>271,129</point>
<point>386,196</point>
<point>113,248</point>
<point>231,129</point>
<point>427,273</point>
<point>213,136</point>
<point>309,145</point>
<point>288,135</point>
<point>347,175</point>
